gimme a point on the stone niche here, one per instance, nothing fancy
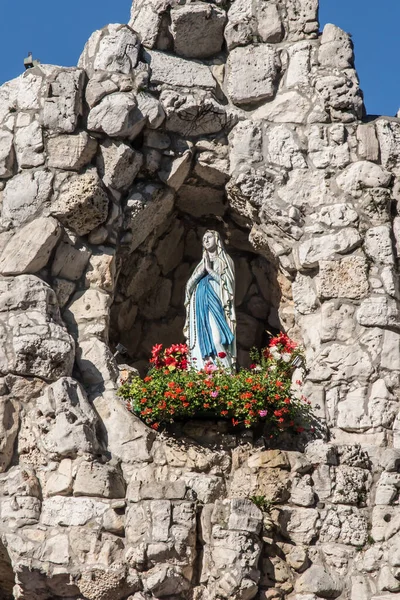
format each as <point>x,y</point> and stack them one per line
<point>150,294</point>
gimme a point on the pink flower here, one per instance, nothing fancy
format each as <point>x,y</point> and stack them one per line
<point>210,367</point>
<point>214,394</point>
<point>263,413</point>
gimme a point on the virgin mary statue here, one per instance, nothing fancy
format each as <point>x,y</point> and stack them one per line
<point>210,326</point>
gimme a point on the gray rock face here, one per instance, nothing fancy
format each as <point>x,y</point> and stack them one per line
<point>198,114</point>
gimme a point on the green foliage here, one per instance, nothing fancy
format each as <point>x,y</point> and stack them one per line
<point>264,393</point>
<point>262,503</point>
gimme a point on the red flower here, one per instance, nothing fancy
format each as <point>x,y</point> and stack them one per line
<point>235,422</point>
<point>224,412</point>
<point>147,379</point>
<point>300,429</point>
<point>253,366</point>
<point>156,350</point>
<point>155,426</point>
<point>222,354</point>
<point>206,405</point>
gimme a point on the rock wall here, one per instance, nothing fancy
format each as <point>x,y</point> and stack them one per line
<point>243,117</point>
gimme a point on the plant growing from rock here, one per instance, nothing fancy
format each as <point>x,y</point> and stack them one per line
<point>173,390</point>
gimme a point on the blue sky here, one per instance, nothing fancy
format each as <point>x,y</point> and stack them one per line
<point>56,32</point>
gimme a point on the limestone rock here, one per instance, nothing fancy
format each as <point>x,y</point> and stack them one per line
<point>302,19</point>
<point>288,107</point>
<point>127,437</point>
<point>118,164</point>
<point>252,74</point>
<point>114,49</point>
<point>194,113</point>
<point>37,344</point>
<point>95,479</point>
<point>173,71</point>
<point>318,581</point>
<point>361,175</point>
<point>82,203</point>
<point>116,115</point>
<point>7,154</point>
<point>64,106</point>
<point>336,50</point>
<point>65,421</point>
<point>71,152</point>
<point>29,145</point>
<point>246,21</point>
<point>29,249</point>
<point>149,204</point>
<point>146,19</point>
<point>25,196</point>
<point>346,278</point>
<point>197,29</point>
<point>327,246</point>
<point>70,259</point>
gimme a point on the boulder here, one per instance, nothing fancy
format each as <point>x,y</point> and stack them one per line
<point>118,164</point>
<point>96,479</point>
<point>82,203</point>
<point>30,248</point>
<point>63,106</point>
<point>36,343</point>
<point>25,196</point>
<point>252,74</point>
<point>114,49</point>
<point>65,422</point>
<point>170,70</point>
<point>29,145</point>
<point>197,29</point>
<point>71,152</point>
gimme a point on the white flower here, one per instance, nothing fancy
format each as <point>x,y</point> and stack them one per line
<point>286,357</point>
<point>257,368</point>
<point>275,353</point>
<point>272,368</point>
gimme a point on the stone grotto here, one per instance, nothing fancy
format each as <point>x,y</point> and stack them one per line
<point>243,117</point>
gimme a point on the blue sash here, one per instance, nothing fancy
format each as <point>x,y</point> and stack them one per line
<point>208,302</point>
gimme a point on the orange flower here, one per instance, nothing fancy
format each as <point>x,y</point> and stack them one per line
<point>186,404</point>
<point>155,426</point>
<point>287,400</point>
<point>162,405</point>
<point>224,413</point>
<point>206,405</point>
<point>247,422</point>
<point>235,422</point>
<point>171,384</point>
<point>147,379</point>
<point>190,384</point>
<point>249,380</point>
<point>230,403</point>
<point>143,401</point>
<point>246,396</point>
<point>279,384</point>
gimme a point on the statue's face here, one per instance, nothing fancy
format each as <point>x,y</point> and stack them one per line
<point>209,241</point>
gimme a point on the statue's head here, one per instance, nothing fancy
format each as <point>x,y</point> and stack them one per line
<point>210,240</point>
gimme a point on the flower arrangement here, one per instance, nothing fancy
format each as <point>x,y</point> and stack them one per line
<point>263,393</point>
